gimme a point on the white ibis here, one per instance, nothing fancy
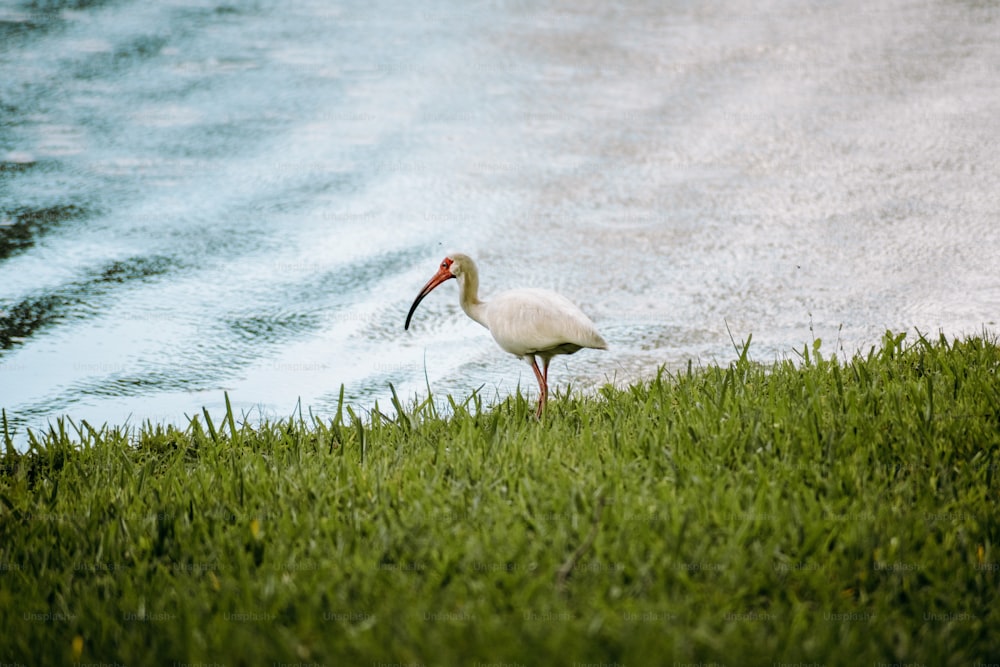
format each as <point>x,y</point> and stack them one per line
<point>528,323</point>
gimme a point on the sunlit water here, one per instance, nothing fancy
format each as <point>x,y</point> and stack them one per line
<point>199,198</point>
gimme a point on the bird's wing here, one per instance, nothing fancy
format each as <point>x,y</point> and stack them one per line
<point>527,321</point>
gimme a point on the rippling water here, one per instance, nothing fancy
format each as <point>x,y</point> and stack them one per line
<point>198,197</point>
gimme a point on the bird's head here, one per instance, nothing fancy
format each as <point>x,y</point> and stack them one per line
<point>459,265</point>
<point>454,266</point>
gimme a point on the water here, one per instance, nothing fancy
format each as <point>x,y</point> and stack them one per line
<point>199,198</point>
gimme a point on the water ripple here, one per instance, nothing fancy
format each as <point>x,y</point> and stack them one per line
<point>76,300</point>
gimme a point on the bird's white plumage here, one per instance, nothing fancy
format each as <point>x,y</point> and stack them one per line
<point>537,321</point>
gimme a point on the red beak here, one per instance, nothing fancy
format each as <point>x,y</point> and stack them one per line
<point>441,276</point>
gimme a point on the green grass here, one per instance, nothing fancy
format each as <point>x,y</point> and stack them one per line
<point>816,511</point>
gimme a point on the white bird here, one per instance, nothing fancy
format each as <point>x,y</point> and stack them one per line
<point>528,323</point>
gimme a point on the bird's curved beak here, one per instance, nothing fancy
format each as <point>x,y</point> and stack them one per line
<point>441,276</point>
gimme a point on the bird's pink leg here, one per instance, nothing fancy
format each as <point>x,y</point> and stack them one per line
<point>545,380</point>
<point>543,387</point>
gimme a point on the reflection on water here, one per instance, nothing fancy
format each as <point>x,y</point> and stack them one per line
<point>199,197</point>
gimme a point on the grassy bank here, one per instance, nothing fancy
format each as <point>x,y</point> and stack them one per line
<point>842,513</point>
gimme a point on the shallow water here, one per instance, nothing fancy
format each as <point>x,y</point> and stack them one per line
<point>199,198</point>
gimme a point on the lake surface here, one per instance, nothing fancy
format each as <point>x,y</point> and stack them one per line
<point>199,198</point>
